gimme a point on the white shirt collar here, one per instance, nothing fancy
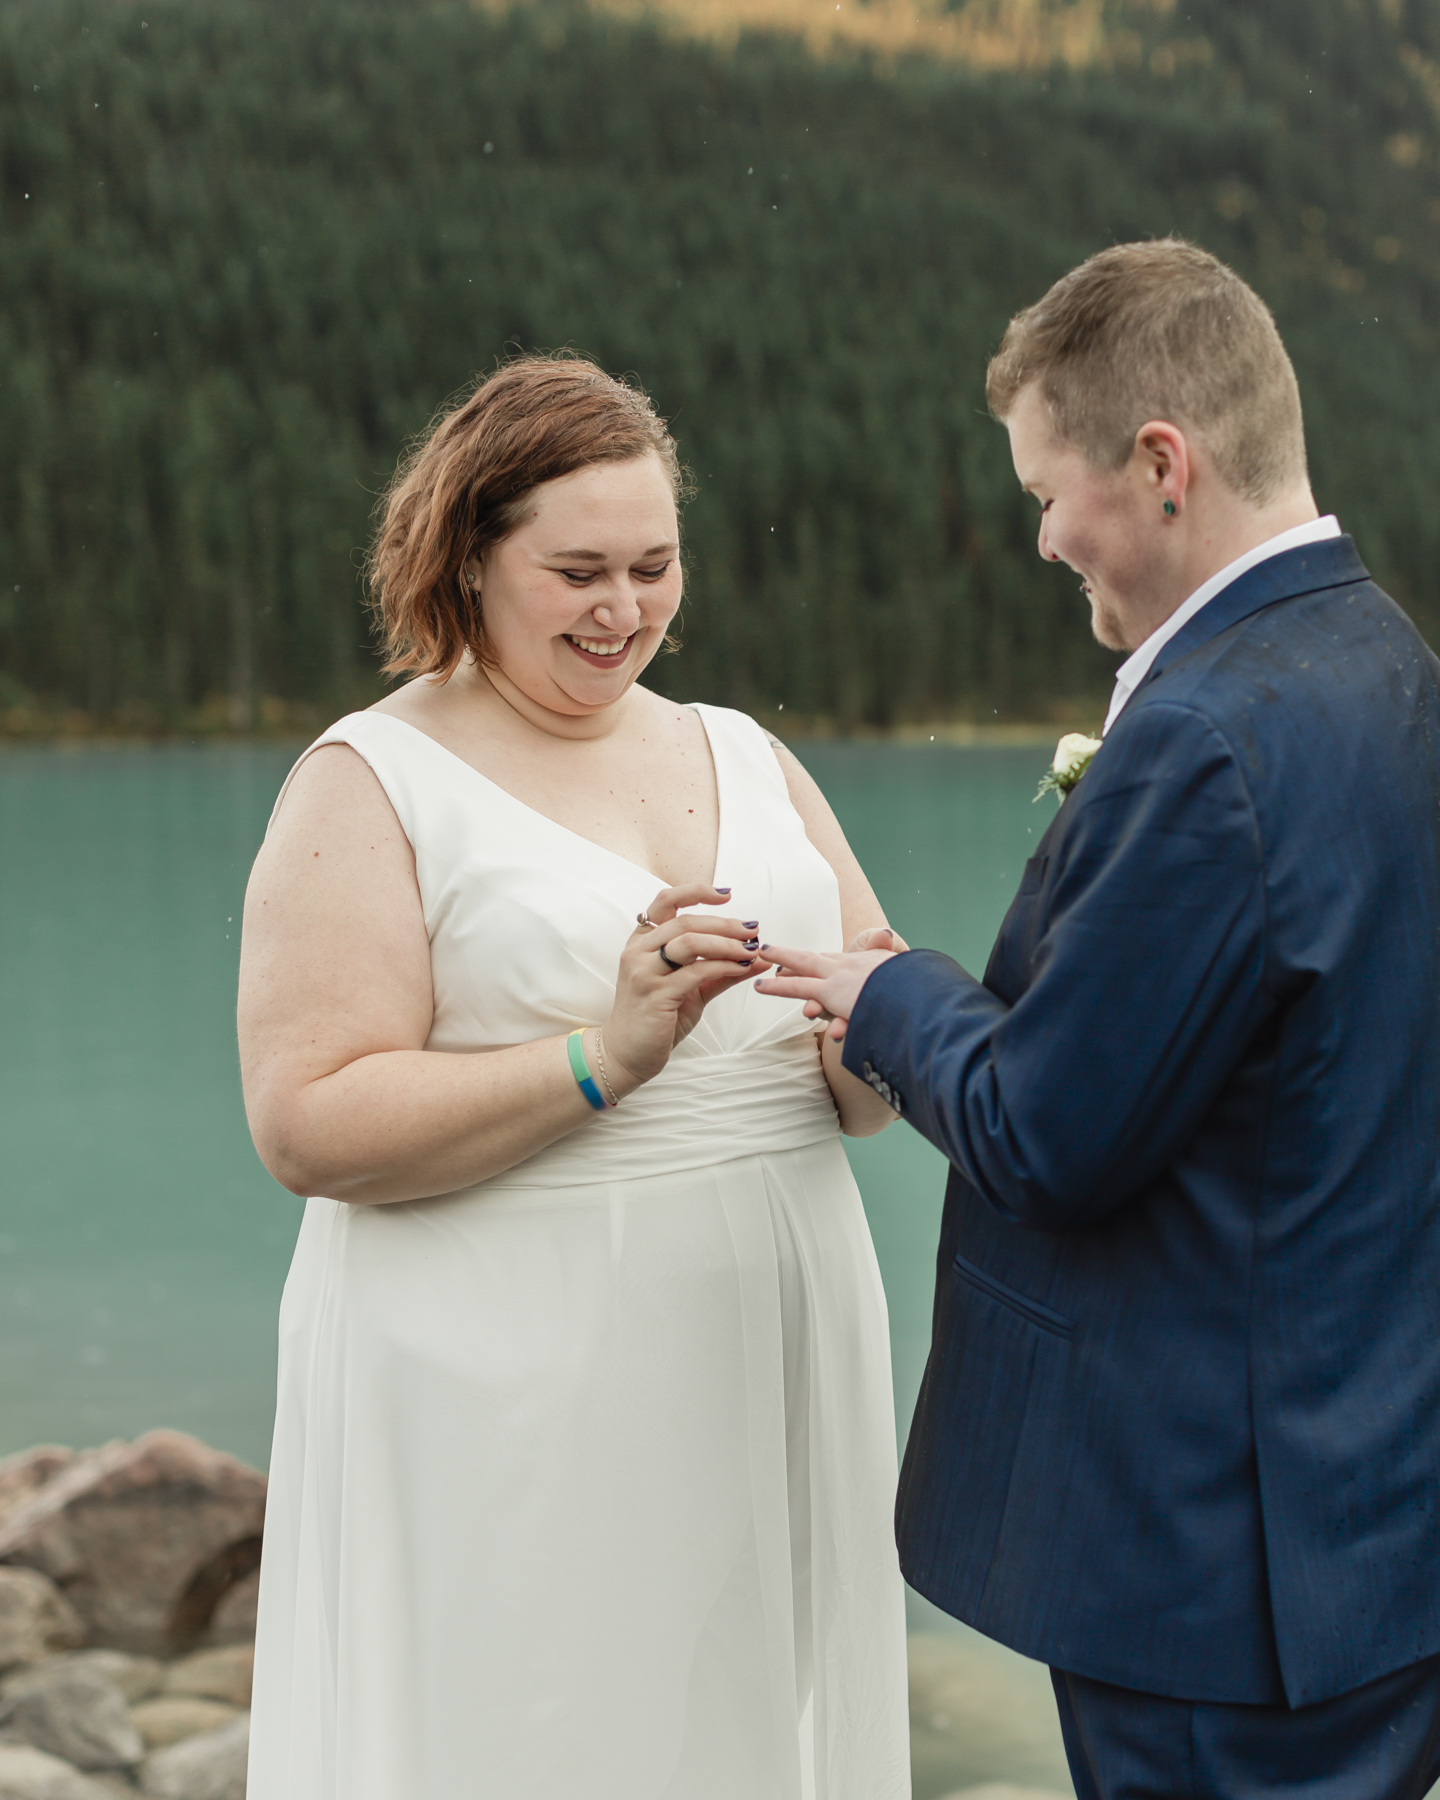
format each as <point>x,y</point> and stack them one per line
<point>1137,666</point>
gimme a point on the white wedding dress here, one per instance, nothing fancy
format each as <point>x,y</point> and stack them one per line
<point>583,1476</point>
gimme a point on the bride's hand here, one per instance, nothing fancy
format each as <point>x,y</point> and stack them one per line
<point>656,1005</point>
<point>878,937</point>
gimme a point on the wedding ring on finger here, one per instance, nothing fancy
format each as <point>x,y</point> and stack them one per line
<point>669,961</point>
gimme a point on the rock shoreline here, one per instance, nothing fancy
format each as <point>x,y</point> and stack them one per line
<point>128,1579</point>
<point>128,1582</point>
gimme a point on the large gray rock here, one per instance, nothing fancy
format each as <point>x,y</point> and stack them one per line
<point>227,1674</point>
<point>36,1619</point>
<point>170,1718</point>
<point>71,1713</point>
<point>202,1768</point>
<point>112,1787</point>
<point>137,1677</point>
<point>234,1620</point>
<point>23,1476</point>
<point>144,1539</point>
<point>27,1774</point>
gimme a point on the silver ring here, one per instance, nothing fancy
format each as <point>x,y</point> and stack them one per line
<point>669,961</point>
<point>645,922</point>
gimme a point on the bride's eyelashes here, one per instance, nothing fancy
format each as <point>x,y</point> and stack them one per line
<point>583,577</point>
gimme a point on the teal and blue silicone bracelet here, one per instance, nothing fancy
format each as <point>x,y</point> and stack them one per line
<point>580,1069</point>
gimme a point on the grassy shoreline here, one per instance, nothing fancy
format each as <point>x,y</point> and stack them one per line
<point>274,721</point>
<point>944,732</point>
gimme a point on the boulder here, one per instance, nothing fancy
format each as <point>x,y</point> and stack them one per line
<point>23,1476</point>
<point>137,1677</point>
<point>234,1620</point>
<point>36,1619</point>
<point>211,1767</point>
<point>27,1774</point>
<point>226,1674</point>
<point>71,1713</point>
<point>171,1717</point>
<point>112,1787</point>
<point>143,1539</point>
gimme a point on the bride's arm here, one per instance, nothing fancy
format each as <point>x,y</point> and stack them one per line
<point>862,1111</point>
<point>336,1006</point>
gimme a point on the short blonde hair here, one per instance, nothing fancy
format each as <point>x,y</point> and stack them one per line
<point>1159,330</point>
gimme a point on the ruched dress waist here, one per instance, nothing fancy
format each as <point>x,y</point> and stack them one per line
<point>705,1107</point>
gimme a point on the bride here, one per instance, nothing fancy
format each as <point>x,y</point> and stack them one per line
<point>584,1456</point>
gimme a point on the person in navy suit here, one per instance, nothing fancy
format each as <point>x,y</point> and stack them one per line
<point>1179,1431</point>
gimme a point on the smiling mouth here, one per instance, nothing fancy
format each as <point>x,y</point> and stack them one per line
<point>600,653</point>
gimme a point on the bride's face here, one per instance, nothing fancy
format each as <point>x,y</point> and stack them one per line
<point>577,599</point>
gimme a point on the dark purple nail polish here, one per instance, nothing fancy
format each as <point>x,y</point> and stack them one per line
<point>747,962</point>
<point>764,946</point>
<point>720,890</point>
<point>751,924</point>
<point>752,943</point>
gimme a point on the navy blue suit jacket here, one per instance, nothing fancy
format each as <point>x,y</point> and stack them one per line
<point>1180,1424</point>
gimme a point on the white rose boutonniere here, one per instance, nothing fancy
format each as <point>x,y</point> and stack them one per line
<point>1073,756</point>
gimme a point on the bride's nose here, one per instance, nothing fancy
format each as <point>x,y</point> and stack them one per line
<point>618,612</point>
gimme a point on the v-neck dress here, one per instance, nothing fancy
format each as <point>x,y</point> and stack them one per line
<point>583,1476</point>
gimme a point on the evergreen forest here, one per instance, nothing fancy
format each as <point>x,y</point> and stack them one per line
<point>247,247</point>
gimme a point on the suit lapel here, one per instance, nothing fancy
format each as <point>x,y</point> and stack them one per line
<point>1308,569</point>
<point>1333,562</point>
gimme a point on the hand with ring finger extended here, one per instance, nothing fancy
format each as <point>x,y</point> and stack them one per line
<point>674,964</point>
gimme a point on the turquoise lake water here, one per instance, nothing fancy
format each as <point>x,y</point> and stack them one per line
<point>142,1246</point>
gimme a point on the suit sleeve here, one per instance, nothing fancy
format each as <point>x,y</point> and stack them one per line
<point>1146,986</point>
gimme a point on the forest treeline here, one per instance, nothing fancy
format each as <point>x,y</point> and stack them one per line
<point>247,246</point>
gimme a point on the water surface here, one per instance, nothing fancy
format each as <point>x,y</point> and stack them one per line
<point>142,1246</point>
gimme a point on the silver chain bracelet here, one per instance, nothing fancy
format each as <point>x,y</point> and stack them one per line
<point>600,1060</point>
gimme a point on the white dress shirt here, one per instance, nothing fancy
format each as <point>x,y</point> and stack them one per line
<point>1137,666</point>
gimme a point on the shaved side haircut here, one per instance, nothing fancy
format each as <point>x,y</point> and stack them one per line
<point>1159,330</point>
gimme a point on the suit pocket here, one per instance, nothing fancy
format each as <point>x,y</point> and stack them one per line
<point>1032,877</point>
<point>1041,1316</point>
<point>996,1360</point>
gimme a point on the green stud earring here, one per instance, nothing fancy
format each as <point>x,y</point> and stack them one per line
<point>1169,509</point>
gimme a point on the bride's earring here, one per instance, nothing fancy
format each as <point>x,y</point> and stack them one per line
<point>1169,509</point>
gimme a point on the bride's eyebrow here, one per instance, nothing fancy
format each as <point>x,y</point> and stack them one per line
<point>599,555</point>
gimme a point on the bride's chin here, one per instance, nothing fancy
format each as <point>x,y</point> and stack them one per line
<point>581,697</point>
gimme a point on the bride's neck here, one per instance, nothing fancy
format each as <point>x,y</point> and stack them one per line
<point>495,686</point>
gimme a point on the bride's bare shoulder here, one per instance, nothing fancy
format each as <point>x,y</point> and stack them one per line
<point>333,797</point>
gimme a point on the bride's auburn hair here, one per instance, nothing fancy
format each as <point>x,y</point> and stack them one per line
<point>462,487</point>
